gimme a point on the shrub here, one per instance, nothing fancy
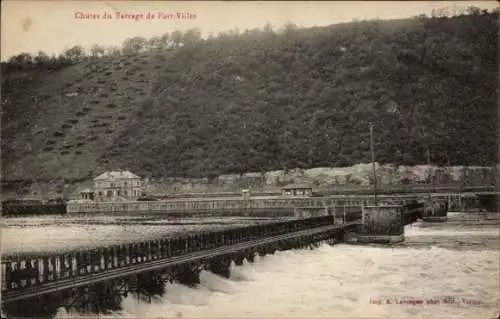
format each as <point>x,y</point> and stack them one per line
<point>101,125</point>
<point>105,117</point>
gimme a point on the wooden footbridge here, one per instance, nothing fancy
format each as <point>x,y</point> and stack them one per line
<point>71,278</point>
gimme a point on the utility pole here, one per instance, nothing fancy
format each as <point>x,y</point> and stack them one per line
<point>429,170</point>
<point>373,166</point>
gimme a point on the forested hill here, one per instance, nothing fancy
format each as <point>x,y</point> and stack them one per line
<point>258,100</point>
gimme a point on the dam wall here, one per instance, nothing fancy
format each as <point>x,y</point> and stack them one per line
<point>223,206</point>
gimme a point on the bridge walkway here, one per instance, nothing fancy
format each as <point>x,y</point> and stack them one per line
<point>31,276</point>
<point>133,269</point>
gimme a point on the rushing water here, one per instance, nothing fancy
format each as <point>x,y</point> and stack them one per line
<point>455,265</point>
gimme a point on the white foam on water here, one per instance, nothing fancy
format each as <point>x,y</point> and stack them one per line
<point>243,273</point>
<point>414,230</point>
<point>339,281</point>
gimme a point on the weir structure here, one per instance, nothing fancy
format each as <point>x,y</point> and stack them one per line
<point>94,280</point>
<point>381,224</point>
<point>269,206</point>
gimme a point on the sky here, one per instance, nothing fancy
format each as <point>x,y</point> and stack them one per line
<point>53,26</point>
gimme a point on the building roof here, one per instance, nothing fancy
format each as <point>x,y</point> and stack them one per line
<point>86,190</point>
<point>297,186</point>
<point>116,175</point>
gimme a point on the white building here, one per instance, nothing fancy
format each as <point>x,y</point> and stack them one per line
<point>117,185</point>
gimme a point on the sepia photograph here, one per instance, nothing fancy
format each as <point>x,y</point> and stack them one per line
<point>249,159</point>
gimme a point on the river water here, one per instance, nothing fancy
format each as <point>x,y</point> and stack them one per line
<point>448,270</point>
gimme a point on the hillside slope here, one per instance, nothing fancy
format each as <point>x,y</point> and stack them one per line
<point>260,101</point>
<point>59,124</point>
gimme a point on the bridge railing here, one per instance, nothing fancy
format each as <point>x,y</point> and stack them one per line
<point>22,271</point>
<point>403,189</point>
<point>237,206</point>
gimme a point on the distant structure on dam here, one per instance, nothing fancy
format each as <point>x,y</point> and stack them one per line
<point>297,190</point>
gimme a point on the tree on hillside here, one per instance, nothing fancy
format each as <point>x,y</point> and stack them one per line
<point>21,60</point>
<point>42,58</point>
<point>97,50</point>
<point>289,27</point>
<point>166,43</point>
<point>134,45</point>
<point>268,29</point>
<point>154,44</point>
<point>192,36</point>
<point>112,51</point>
<point>75,54</point>
<point>176,38</point>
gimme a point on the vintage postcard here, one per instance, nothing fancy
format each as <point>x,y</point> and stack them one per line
<point>245,159</point>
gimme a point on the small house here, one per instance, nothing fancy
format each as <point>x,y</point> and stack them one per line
<point>296,190</point>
